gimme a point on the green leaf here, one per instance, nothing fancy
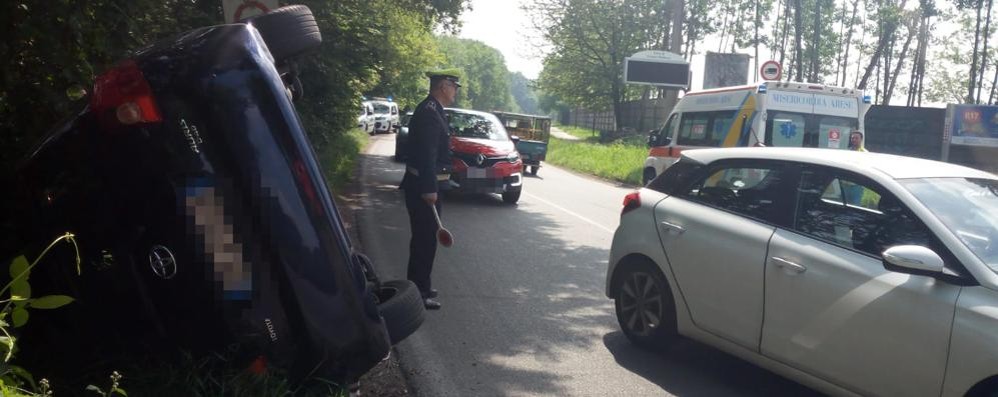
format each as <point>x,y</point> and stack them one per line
<point>20,317</point>
<point>23,374</point>
<point>119,391</point>
<point>94,389</point>
<point>18,298</point>
<point>18,266</point>
<point>50,302</point>
<point>20,288</point>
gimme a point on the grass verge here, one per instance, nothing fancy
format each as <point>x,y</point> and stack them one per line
<point>338,156</point>
<point>617,161</point>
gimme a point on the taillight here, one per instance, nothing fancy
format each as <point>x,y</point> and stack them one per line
<point>122,96</point>
<point>631,201</point>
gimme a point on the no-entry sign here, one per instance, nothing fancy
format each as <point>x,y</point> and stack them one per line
<point>771,70</point>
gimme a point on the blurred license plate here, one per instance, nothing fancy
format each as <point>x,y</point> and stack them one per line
<point>478,173</point>
<point>526,157</point>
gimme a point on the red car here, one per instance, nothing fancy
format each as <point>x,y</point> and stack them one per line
<point>485,159</point>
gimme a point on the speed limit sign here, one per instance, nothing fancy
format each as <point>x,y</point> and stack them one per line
<point>771,70</point>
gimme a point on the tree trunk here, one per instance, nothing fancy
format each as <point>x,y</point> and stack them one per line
<point>786,33</point>
<point>889,92</point>
<point>984,53</point>
<point>798,47</point>
<point>972,81</point>
<point>886,36</point>
<point>755,43</point>
<point>816,43</point>
<point>845,58</point>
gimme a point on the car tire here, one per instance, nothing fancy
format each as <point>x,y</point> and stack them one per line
<point>288,31</point>
<point>645,307</point>
<point>402,308</point>
<point>511,197</point>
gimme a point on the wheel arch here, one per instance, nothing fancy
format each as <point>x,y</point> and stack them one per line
<point>986,387</point>
<point>632,260</point>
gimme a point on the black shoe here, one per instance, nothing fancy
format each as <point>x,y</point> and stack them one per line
<point>431,294</point>
<point>431,304</point>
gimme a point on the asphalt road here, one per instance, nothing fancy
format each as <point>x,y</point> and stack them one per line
<point>524,311</point>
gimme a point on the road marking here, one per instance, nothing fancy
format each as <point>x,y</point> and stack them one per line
<point>570,212</point>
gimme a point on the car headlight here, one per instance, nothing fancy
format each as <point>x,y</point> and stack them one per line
<point>512,157</point>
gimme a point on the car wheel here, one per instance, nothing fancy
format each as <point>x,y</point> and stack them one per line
<point>647,175</point>
<point>402,308</point>
<point>533,170</point>
<point>511,197</point>
<point>645,307</point>
<point>288,31</point>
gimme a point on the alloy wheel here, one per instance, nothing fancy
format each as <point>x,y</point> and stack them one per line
<point>641,304</point>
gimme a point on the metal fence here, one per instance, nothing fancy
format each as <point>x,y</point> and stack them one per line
<point>640,116</point>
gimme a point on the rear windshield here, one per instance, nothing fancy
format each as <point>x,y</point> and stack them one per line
<point>469,125</point>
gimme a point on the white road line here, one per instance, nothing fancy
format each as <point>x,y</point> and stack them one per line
<point>567,211</point>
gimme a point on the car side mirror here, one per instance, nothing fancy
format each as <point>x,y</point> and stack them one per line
<point>913,259</point>
<point>515,138</point>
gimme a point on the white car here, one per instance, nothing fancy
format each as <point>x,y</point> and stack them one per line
<point>850,272</point>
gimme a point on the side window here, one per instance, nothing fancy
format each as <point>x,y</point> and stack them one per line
<point>785,129</point>
<point>666,131</point>
<point>854,213</point>
<point>705,128</point>
<point>693,129</point>
<point>833,132</point>
<point>752,191</point>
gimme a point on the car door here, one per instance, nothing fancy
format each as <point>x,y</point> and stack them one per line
<point>833,310</point>
<point>714,233</point>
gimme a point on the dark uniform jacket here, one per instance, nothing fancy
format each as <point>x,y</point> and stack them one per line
<point>428,147</point>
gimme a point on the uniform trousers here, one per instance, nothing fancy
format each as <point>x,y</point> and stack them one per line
<point>423,243</point>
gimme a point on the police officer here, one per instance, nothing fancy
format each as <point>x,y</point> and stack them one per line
<point>426,172</point>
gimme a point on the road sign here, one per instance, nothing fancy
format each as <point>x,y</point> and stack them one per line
<point>771,70</point>
<point>237,10</point>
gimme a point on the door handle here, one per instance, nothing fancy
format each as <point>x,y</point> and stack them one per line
<point>672,226</point>
<point>788,265</point>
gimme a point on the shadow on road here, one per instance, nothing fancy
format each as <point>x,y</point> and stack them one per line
<point>524,308</point>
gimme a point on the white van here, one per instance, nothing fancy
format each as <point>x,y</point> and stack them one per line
<point>386,116</point>
<point>365,119</point>
<point>771,114</point>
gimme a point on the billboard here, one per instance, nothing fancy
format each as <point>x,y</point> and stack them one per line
<point>658,68</point>
<point>725,70</point>
<point>974,125</point>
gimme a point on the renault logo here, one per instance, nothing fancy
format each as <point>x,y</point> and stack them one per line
<point>480,159</point>
<point>162,262</point>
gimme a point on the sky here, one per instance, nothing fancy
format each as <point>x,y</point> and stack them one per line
<point>501,24</point>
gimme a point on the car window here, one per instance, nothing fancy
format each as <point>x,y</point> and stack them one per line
<point>705,128</point>
<point>752,191</point>
<point>471,125</point>
<point>855,213</point>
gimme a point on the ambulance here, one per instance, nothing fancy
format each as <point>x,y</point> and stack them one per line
<point>770,114</point>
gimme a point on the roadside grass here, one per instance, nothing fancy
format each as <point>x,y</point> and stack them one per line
<point>580,132</point>
<point>617,161</point>
<point>338,156</point>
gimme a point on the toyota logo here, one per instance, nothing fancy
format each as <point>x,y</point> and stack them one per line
<point>162,262</point>
<point>480,159</point>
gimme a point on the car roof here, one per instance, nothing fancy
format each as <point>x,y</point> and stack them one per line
<point>895,167</point>
<point>469,111</point>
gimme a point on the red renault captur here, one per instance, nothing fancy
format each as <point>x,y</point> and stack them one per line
<point>485,159</point>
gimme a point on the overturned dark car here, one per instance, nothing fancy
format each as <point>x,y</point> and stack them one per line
<point>202,216</point>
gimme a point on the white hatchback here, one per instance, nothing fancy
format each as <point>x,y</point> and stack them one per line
<point>850,272</point>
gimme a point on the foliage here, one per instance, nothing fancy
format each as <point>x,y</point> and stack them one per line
<point>590,40</point>
<point>484,86</point>
<point>523,93</point>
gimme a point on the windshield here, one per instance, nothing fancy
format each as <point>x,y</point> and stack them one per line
<point>380,108</point>
<point>968,207</point>
<point>470,125</point>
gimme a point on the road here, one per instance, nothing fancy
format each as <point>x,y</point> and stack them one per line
<point>524,311</point>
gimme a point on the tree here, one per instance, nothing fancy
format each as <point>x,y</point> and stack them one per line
<point>485,85</point>
<point>590,40</point>
<point>523,93</point>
